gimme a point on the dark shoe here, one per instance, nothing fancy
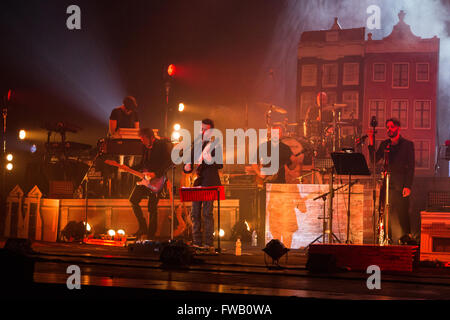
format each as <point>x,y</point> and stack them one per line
<point>140,232</point>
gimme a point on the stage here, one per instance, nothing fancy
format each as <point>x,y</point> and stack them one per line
<point>114,272</point>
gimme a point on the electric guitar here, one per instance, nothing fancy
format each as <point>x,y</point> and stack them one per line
<point>155,184</point>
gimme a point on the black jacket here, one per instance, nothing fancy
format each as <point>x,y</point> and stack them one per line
<point>401,162</point>
<point>208,174</point>
<point>156,159</point>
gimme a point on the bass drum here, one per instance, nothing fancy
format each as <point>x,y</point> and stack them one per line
<point>297,145</point>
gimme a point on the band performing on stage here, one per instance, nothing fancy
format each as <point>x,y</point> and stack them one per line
<point>236,148</point>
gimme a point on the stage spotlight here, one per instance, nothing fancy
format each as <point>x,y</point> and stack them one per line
<point>221,233</point>
<point>175,136</point>
<point>121,232</point>
<point>9,166</point>
<point>177,127</point>
<point>9,157</point>
<point>22,134</point>
<point>171,70</point>
<point>111,233</point>
<point>275,249</point>
<point>181,107</point>
<point>88,227</point>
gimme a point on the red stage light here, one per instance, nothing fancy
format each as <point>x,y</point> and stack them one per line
<point>171,70</point>
<point>9,94</point>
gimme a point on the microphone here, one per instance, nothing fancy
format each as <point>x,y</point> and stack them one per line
<point>373,122</point>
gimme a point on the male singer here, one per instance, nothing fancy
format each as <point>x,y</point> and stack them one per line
<point>398,155</point>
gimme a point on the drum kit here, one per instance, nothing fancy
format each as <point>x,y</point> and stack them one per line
<point>323,131</point>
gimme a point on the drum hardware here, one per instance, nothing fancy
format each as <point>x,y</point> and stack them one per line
<point>300,179</point>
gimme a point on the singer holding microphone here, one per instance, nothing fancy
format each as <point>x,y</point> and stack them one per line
<point>398,154</point>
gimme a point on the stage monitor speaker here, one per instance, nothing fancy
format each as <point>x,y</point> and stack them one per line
<point>16,264</point>
<point>321,263</point>
<point>176,254</point>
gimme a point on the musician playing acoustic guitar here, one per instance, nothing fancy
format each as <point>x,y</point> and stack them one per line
<point>155,162</point>
<point>208,175</point>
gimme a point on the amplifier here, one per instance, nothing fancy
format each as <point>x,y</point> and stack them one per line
<point>61,189</point>
<point>438,201</point>
<point>128,147</point>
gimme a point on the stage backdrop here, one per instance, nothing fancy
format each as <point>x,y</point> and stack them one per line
<point>292,215</point>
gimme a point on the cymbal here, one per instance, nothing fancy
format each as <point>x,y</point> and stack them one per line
<point>333,107</point>
<point>344,123</point>
<point>273,107</point>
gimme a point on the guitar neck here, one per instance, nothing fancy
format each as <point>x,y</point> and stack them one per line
<point>134,172</point>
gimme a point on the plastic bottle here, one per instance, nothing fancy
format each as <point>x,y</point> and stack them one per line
<point>254,239</point>
<point>238,247</point>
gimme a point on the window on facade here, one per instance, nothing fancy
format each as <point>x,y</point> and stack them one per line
<point>399,110</point>
<point>351,74</point>
<point>331,98</point>
<point>309,75</point>
<point>330,75</point>
<point>422,154</point>
<point>379,72</point>
<point>400,75</point>
<point>307,99</point>
<point>351,111</point>
<point>422,114</point>
<point>377,108</point>
<point>422,72</point>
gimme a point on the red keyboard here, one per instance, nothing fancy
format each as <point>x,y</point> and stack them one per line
<point>201,193</point>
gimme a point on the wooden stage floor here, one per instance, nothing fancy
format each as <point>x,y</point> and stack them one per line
<point>116,272</point>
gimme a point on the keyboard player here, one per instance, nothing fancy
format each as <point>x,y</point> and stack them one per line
<point>124,116</point>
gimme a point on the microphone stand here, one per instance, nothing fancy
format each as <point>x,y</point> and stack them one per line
<point>2,162</point>
<point>374,182</point>
<point>172,204</point>
<point>86,197</point>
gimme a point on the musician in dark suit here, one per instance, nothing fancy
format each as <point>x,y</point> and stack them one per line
<point>155,162</point>
<point>208,176</point>
<point>398,153</point>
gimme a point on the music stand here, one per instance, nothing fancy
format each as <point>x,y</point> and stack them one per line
<point>349,163</point>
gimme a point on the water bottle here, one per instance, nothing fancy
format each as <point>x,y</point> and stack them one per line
<point>238,247</point>
<point>254,239</point>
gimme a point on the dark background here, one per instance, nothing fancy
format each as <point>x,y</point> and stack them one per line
<point>228,54</point>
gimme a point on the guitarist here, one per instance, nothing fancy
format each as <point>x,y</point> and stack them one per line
<point>207,176</point>
<point>286,157</point>
<point>155,161</point>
